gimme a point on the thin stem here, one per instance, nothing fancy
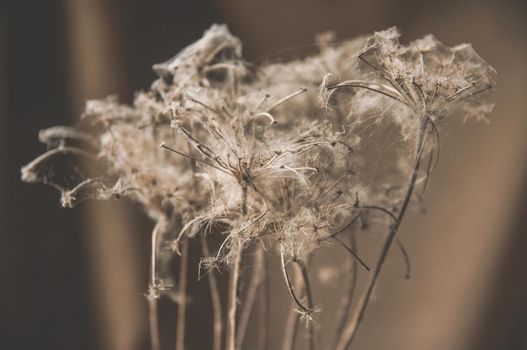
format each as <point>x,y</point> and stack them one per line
<point>152,297</point>
<point>250,297</point>
<point>286,98</point>
<point>347,300</point>
<point>378,88</point>
<point>353,254</point>
<point>217,327</point>
<point>232,302</point>
<point>191,158</point>
<point>384,210</point>
<point>400,244</point>
<point>428,173</point>
<point>291,328</point>
<point>153,323</point>
<point>339,231</point>
<point>265,302</point>
<point>244,199</point>
<point>406,258</point>
<point>351,330</point>
<point>336,239</point>
<point>182,298</point>
<point>376,69</point>
<point>290,286</point>
<point>153,255</point>
<point>309,296</point>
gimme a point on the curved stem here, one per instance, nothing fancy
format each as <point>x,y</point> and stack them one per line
<point>182,298</point>
<point>400,244</point>
<point>290,286</point>
<point>339,231</point>
<point>309,296</point>
<point>351,330</point>
<point>152,293</point>
<point>406,259</point>
<point>291,328</point>
<point>217,327</point>
<point>378,88</point>
<point>384,210</point>
<point>286,98</point>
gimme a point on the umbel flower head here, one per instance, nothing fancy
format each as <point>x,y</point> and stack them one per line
<point>218,146</point>
<point>423,79</point>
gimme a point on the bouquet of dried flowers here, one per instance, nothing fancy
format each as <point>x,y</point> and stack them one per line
<point>272,159</point>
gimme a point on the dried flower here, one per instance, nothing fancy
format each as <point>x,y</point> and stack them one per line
<point>217,146</point>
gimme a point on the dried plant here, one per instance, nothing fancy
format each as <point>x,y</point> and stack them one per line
<point>273,159</point>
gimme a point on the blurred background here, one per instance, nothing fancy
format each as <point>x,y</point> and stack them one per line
<point>74,279</point>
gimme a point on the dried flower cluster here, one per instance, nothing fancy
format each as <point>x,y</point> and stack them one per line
<point>268,157</point>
